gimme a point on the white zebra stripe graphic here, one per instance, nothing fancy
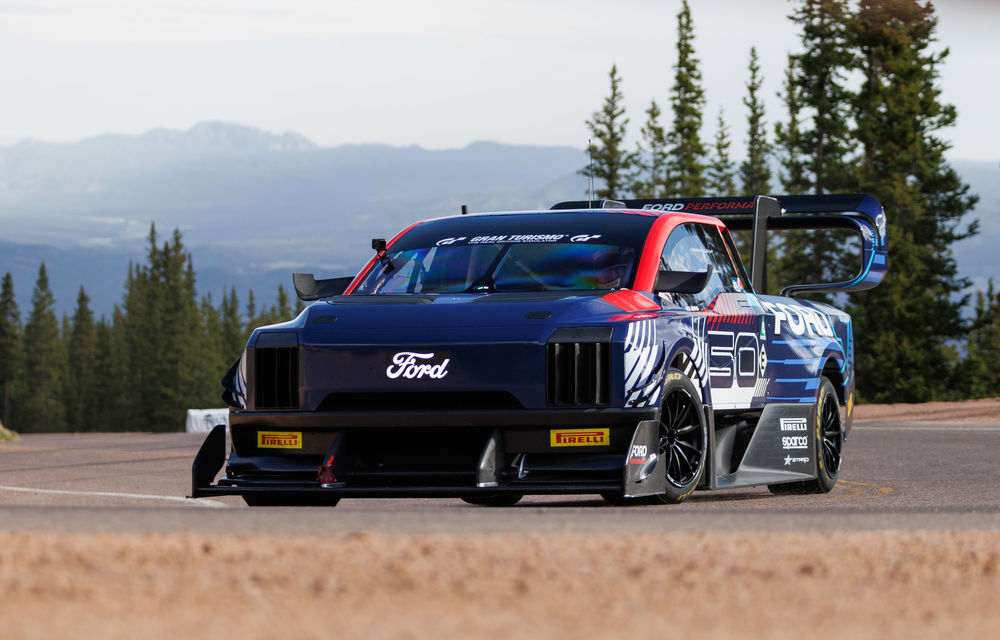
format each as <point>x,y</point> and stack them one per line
<point>641,355</point>
<point>694,364</point>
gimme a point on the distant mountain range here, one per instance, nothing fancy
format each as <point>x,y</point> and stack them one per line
<point>254,206</point>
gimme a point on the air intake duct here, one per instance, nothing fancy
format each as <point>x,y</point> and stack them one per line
<point>578,367</point>
<point>276,371</point>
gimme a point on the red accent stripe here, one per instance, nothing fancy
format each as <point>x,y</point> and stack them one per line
<point>628,300</point>
<point>632,317</point>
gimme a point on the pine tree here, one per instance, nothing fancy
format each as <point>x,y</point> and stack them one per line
<point>113,387</point>
<point>162,325</point>
<point>212,364</point>
<point>686,151</point>
<point>40,407</point>
<point>651,178</point>
<point>182,327</point>
<point>902,327</point>
<point>281,311</point>
<point>10,347</point>
<point>979,374</point>
<point>611,166</point>
<point>821,84</point>
<point>104,387</point>
<point>284,305</point>
<point>755,173</point>
<point>788,137</point>
<point>234,338</point>
<point>82,375</point>
<point>822,141</point>
<point>253,320</point>
<point>786,249</point>
<point>141,329</point>
<point>721,178</point>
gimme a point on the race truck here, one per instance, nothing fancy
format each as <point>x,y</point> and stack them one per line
<point>610,348</point>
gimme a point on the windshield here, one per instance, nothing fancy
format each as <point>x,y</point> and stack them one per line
<point>503,267</point>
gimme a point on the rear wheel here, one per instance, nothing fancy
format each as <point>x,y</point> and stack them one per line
<point>827,443</point>
<point>494,499</point>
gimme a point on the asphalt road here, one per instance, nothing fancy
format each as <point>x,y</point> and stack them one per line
<point>894,476</point>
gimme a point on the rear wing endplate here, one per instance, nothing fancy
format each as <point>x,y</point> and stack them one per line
<point>860,213</point>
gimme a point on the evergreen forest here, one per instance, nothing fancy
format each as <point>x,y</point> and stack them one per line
<point>162,352</point>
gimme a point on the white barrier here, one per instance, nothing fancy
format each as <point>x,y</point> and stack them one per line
<point>202,420</point>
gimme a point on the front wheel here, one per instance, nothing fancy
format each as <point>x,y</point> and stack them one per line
<point>683,443</point>
<point>829,437</point>
<point>683,437</point>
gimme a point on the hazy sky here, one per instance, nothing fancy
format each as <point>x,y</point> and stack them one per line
<point>437,73</point>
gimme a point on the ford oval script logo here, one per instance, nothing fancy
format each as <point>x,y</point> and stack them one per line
<point>414,366</point>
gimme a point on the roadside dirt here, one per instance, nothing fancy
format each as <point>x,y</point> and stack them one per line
<point>857,585</point>
<point>984,410</point>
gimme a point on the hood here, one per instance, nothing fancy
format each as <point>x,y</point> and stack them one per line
<point>438,318</point>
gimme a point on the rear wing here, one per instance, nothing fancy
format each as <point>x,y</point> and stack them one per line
<point>852,211</point>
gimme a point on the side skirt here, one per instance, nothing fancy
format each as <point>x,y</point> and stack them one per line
<point>780,449</point>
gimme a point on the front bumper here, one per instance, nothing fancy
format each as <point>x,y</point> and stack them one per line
<point>425,454</point>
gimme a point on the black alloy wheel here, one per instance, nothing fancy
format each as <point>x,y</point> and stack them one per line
<point>828,440</point>
<point>683,446</point>
<point>683,437</point>
<point>831,434</point>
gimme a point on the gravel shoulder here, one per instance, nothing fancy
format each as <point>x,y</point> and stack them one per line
<point>857,585</point>
<point>986,410</point>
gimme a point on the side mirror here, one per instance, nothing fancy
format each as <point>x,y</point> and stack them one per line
<point>308,288</point>
<point>682,281</point>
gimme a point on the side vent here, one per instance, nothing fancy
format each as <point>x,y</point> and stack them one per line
<point>276,372</point>
<point>578,367</point>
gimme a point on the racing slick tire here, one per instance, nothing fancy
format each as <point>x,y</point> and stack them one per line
<point>683,442</point>
<point>826,445</point>
<point>494,499</point>
<point>683,437</point>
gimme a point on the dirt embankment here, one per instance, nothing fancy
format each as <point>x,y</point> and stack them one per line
<point>857,585</point>
<point>971,411</point>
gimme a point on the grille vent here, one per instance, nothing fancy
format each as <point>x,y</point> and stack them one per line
<point>276,378</point>
<point>578,373</point>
